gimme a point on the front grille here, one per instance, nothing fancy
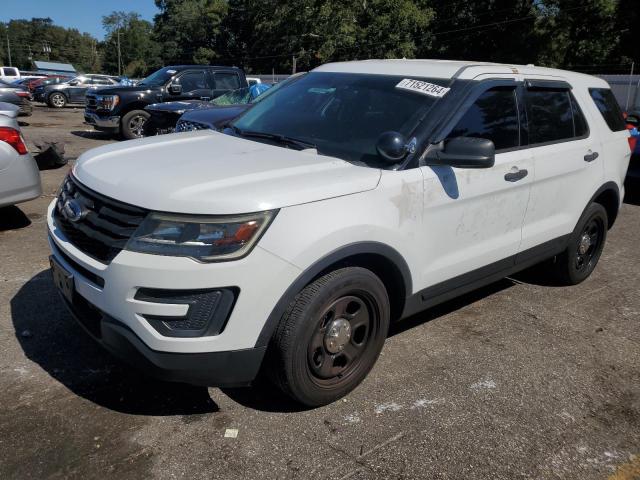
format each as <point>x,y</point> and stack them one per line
<point>91,102</point>
<point>105,225</point>
<point>187,126</point>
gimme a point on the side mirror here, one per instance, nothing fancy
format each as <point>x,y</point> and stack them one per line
<point>393,147</point>
<point>464,152</point>
<point>175,88</point>
<point>74,83</point>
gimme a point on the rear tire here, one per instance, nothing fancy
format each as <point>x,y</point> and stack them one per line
<point>133,124</point>
<point>330,336</point>
<point>57,100</point>
<point>586,243</point>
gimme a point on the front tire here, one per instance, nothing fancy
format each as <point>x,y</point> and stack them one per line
<point>330,336</point>
<point>57,100</point>
<point>586,243</point>
<point>133,124</point>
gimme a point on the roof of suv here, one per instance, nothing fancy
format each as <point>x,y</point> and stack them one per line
<point>183,67</point>
<point>453,68</point>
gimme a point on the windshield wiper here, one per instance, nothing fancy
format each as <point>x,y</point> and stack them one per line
<point>283,139</point>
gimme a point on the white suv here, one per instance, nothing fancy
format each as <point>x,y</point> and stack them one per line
<point>358,194</point>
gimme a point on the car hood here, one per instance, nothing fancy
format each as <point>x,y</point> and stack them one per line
<point>207,172</point>
<point>179,107</point>
<point>215,117</point>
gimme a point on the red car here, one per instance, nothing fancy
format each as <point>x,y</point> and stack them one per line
<point>50,79</point>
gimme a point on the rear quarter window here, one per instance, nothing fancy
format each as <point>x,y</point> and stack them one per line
<point>609,108</point>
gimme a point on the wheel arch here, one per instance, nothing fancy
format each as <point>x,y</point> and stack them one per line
<point>137,105</point>
<point>608,195</point>
<point>385,261</point>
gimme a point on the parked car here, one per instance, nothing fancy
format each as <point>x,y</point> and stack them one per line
<point>17,96</point>
<point>37,87</point>
<point>19,175</point>
<point>217,118</point>
<point>9,74</point>
<point>356,195</point>
<point>164,116</point>
<point>121,110</point>
<point>632,183</point>
<point>74,90</point>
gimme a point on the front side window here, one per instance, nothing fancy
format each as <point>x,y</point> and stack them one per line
<point>493,116</point>
<point>550,115</point>
<point>342,114</point>
<point>609,108</point>
<point>227,81</point>
<point>191,81</point>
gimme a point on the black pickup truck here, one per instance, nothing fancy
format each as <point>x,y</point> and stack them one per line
<point>120,109</point>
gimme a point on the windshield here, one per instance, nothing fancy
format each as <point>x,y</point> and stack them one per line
<point>342,114</point>
<point>158,78</point>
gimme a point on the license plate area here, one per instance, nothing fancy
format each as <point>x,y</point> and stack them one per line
<point>62,279</point>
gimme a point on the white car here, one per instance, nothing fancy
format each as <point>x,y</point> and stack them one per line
<point>19,175</point>
<point>356,195</point>
<point>9,74</point>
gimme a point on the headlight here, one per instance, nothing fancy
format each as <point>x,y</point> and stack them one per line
<point>207,239</point>
<point>107,102</point>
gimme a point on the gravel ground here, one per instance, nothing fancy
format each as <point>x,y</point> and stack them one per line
<point>516,380</point>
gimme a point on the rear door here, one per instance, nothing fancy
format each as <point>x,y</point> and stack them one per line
<point>567,158</point>
<point>474,217</point>
<point>225,82</point>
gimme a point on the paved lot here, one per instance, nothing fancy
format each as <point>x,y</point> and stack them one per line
<point>517,380</point>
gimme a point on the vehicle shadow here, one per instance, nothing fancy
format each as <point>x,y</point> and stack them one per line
<point>50,337</point>
<point>92,134</point>
<point>632,192</point>
<point>12,218</point>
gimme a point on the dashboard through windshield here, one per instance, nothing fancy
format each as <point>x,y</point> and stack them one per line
<point>341,114</point>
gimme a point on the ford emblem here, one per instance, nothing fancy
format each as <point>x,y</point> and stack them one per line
<point>73,211</point>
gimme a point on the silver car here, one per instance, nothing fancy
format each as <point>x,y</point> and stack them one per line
<point>19,175</point>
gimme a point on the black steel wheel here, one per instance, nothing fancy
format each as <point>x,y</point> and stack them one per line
<point>330,337</point>
<point>586,243</point>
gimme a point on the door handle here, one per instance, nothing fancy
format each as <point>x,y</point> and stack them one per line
<point>514,175</point>
<point>590,157</point>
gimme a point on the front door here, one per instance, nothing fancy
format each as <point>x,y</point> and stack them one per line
<point>78,91</point>
<point>473,217</point>
<point>194,86</point>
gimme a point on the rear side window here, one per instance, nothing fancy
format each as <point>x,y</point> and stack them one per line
<point>493,116</point>
<point>11,72</point>
<point>550,115</point>
<point>609,108</point>
<point>579,122</point>
<point>227,81</point>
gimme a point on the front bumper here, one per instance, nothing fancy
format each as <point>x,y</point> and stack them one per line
<point>102,123</point>
<point>121,324</point>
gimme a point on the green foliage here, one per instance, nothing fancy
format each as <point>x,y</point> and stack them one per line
<point>31,40</point>
<point>187,30</point>
<point>266,35</point>
<point>139,53</point>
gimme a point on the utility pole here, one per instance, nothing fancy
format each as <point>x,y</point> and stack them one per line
<point>9,49</point>
<point>119,55</point>
<point>629,87</point>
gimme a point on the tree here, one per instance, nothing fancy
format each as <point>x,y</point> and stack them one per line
<point>139,53</point>
<point>187,31</point>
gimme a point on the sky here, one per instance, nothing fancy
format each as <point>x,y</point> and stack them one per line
<point>85,15</point>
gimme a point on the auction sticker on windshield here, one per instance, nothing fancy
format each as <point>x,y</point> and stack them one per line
<point>424,88</point>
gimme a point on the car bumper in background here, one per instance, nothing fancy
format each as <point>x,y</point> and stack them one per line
<point>102,123</point>
<point>20,181</point>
